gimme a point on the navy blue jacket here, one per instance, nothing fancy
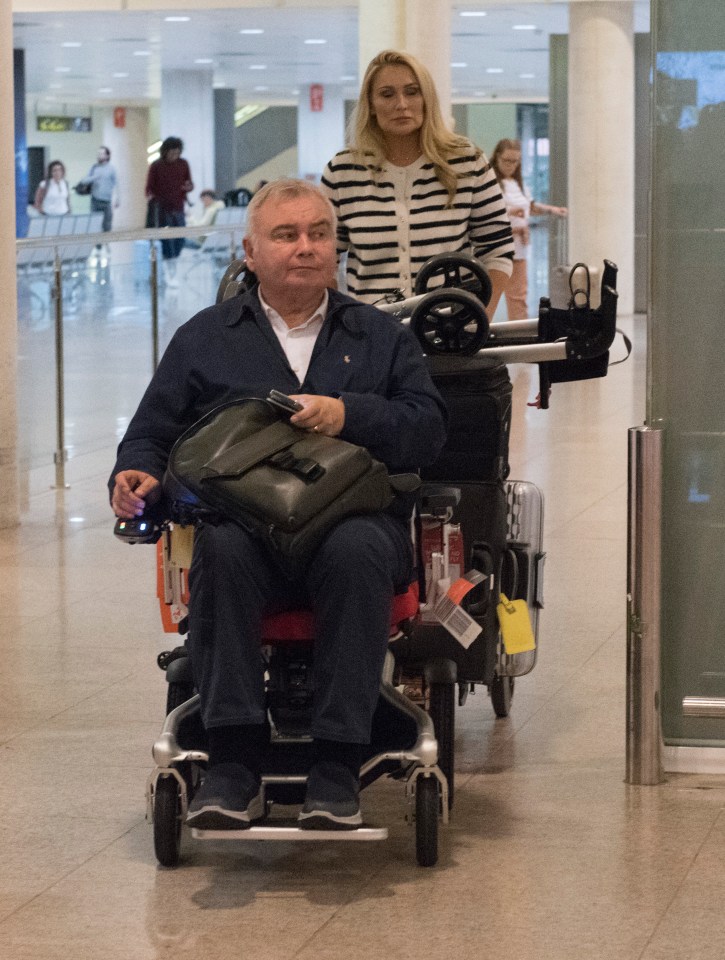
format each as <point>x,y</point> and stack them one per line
<point>230,351</point>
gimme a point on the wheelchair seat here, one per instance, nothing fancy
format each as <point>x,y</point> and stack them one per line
<point>298,626</point>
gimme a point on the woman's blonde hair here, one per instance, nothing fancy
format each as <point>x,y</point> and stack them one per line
<point>438,143</point>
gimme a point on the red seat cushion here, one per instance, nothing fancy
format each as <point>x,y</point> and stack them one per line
<point>299,626</point>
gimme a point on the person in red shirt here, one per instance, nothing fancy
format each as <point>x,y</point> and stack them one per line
<point>167,184</point>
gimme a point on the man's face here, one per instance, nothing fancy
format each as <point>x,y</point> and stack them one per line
<point>293,249</point>
<point>102,155</point>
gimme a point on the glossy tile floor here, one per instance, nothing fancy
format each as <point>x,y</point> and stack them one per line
<point>548,855</point>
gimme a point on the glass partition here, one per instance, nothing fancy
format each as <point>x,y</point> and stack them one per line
<point>108,331</point>
<point>687,353</point>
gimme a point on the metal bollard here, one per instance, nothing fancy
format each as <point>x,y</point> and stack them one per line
<point>644,518</point>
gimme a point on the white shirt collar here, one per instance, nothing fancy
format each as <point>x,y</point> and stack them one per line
<point>277,320</point>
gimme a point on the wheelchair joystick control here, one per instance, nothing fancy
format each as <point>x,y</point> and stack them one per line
<point>136,530</point>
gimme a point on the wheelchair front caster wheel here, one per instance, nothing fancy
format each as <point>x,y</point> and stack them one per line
<point>502,693</point>
<point>167,821</point>
<point>426,821</point>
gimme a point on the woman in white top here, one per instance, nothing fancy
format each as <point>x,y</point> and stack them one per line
<point>408,188</point>
<point>506,162</point>
<point>53,194</point>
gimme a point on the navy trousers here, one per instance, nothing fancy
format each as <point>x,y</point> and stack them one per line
<point>349,585</point>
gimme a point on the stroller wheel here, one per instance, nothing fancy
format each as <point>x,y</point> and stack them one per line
<point>502,693</point>
<point>426,821</point>
<point>167,821</point>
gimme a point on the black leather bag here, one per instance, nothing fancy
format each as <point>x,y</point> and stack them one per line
<point>285,485</point>
<point>83,189</point>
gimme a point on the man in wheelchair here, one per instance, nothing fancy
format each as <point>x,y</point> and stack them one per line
<point>359,375</point>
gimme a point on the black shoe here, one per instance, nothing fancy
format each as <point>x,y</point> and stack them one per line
<point>332,801</point>
<point>230,798</point>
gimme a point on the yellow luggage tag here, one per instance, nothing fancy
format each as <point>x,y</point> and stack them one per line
<point>515,624</point>
<point>182,544</point>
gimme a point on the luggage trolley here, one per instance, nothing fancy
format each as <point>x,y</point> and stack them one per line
<point>498,520</point>
<point>491,527</point>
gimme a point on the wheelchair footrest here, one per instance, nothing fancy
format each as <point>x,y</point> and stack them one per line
<point>289,831</point>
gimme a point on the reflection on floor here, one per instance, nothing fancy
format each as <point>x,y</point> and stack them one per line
<point>548,855</point>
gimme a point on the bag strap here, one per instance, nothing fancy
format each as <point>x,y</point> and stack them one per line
<point>247,453</point>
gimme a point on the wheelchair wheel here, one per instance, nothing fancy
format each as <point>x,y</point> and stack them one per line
<point>442,711</point>
<point>426,821</point>
<point>502,693</point>
<point>167,821</point>
<point>176,694</point>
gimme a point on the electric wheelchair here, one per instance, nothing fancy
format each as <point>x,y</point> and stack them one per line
<point>466,499</point>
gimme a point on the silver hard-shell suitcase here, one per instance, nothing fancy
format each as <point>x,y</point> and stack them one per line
<point>522,574</point>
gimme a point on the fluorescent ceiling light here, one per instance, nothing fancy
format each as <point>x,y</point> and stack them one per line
<point>257,66</point>
<point>204,60</point>
<point>494,69</point>
<point>260,89</point>
<point>119,76</point>
<point>459,64</point>
<point>527,76</point>
<point>177,19</point>
<point>472,13</point>
<point>142,53</point>
<point>315,41</point>
<point>251,31</point>
<point>71,43</point>
<point>524,26</point>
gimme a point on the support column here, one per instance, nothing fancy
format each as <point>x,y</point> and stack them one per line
<point>421,29</point>
<point>320,128</point>
<point>10,498</point>
<point>601,138</point>
<point>128,155</point>
<point>187,111</point>
<point>225,155</point>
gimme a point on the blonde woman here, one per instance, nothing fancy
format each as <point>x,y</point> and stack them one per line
<point>408,188</point>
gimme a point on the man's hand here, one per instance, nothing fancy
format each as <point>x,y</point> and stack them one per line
<point>322,414</point>
<point>133,492</point>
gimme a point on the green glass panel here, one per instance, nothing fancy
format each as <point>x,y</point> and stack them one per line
<point>686,391</point>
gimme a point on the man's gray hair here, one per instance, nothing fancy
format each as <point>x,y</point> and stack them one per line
<point>287,188</point>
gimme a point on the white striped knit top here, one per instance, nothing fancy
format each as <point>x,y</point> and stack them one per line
<point>392,219</point>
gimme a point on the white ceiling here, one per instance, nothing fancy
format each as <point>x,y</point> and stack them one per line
<point>117,57</point>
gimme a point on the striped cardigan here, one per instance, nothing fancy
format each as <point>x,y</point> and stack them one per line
<point>373,227</point>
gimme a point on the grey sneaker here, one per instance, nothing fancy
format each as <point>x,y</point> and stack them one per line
<point>332,801</point>
<point>230,798</point>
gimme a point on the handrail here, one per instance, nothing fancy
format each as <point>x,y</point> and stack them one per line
<point>118,236</point>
